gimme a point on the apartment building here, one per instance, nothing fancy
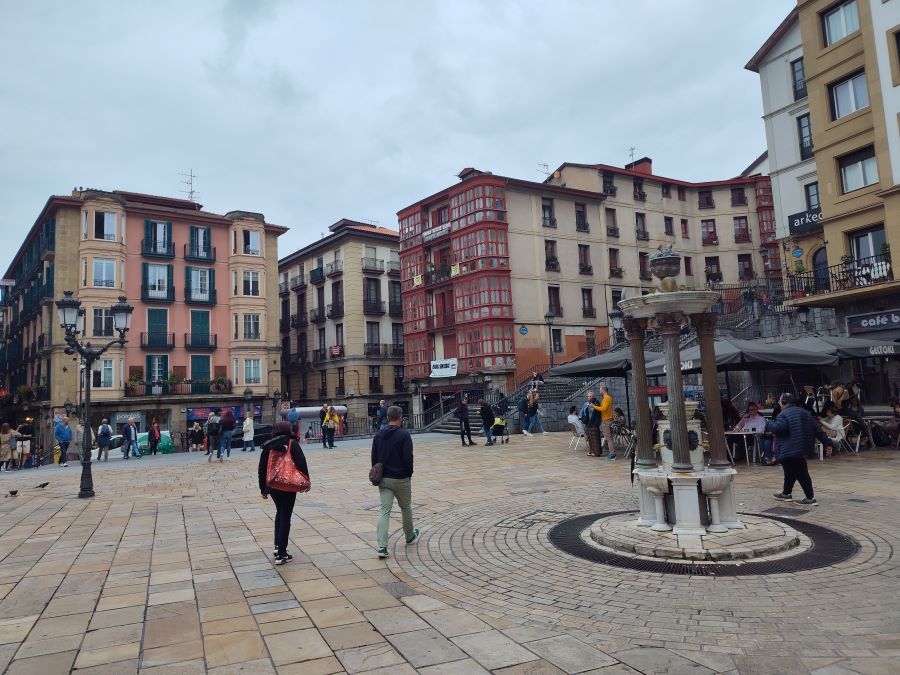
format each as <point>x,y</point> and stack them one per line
<point>201,284</point>
<point>485,261</point>
<point>342,320</point>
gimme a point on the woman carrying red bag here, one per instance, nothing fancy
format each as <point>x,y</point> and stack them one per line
<point>282,474</point>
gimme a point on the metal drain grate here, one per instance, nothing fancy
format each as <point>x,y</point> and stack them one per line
<point>828,548</point>
<point>786,511</point>
<point>859,501</point>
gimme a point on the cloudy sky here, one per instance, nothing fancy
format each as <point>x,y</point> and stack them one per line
<point>316,110</point>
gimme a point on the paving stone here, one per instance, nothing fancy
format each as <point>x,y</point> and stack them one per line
<point>352,635</point>
<point>452,622</point>
<point>254,667</point>
<point>369,657</point>
<point>493,649</point>
<point>193,667</point>
<point>539,667</point>
<point>657,660</point>
<point>332,612</point>
<point>426,648</point>
<point>96,657</point>
<point>295,646</point>
<point>50,664</point>
<point>326,666</point>
<point>223,650</point>
<point>569,654</point>
<point>129,667</point>
<point>395,620</point>
<point>464,667</point>
<point>161,632</point>
<point>365,599</point>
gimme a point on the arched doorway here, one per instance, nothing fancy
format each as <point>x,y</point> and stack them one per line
<point>820,270</point>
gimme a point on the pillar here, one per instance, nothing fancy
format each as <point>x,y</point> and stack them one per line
<point>635,329</point>
<point>706,329</point>
<point>669,325</point>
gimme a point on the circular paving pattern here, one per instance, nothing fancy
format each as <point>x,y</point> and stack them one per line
<point>496,557</point>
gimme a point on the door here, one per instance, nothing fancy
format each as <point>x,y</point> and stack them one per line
<point>199,328</point>
<point>200,368</point>
<point>157,327</point>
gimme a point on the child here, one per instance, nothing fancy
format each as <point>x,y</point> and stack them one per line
<point>498,429</point>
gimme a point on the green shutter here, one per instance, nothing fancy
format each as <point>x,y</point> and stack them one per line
<point>145,275</point>
<point>168,233</point>
<point>147,370</point>
<point>170,276</point>
<point>187,283</point>
<point>212,282</point>
<point>193,240</point>
<point>164,360</point>
<point>148,232</point>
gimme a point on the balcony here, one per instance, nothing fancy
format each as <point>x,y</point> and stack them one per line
<point>317,315</point>
<point>298,282</point>
<point>551,265</point>
<point>157,249</point>
<point>323,392</point>
<point>200,254</point>
<point>865,274</point>
<point>375,388</point>
<point>104,283</point>
<point>440,321</point>
<point>336,351</point>
<point>616,272</point>
<point>196,296</point>
<point>739,200</point>
<point>252,334</point>
<point>376,350</point>
<point>713,275</point>
<point>642,235</point>
<point>284,325</point>
<point>799,89</point>
<point>157,294</point>
<point>397,350</point>
<point>582,225</point>
<point>374,307</point>
<point>317,276</point>
<point>400,387</point>
<point>706,203</point>
<point>437,276</point>
<point>373,265</point>
<point>395,308</point>
<point>334,269</point>
<point>609,189</point>
<point>645,275</point>
<point>282,287</point>
<point>806,148</point>
<point>339,390</point>
<point>393,267</point>
<point>584,268</point>
<point>299,320</point>
<point>203,342</point>
<point>747,275</point>
<point>612,231</point>
<point>548,222</point>
<point>742,237</point>
<point>640,196</point>
<point>556,310</point>
<point>589,312</point>
<point>318,355</point>
<point>711,240</point>
<point>185,388</point>
<point>154,340</point>
<point>335,310</point>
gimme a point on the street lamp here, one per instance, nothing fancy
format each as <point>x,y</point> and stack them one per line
<point>68,406</point>
<point>276,399</point>
<point>248,397</point>
<point>548,319</point>
<point>71,318</point>
<point>803,316</point>
<point>616,318</point>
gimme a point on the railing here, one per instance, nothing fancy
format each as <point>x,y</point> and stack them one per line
<point>582,225</point>
<point>299,320</point>
<point>197,254</point>
<point>397,350</point>
<point>298,281</point>
<point>800,89</point>
<point>200,341</point>
<point>317,314</point>
<point>440,320</point>
<point>375,388</point>
<point>589,312</point>
<point>252,334</point>
<point>706,203</point>
<point>195,296</point>
<point>551,265</point>
<point>640,195</point>
<point>556,310</point>
<point>437,276</point>
<point>395,308</point>
<point>157,249</point>
<point>104,283</point>
<point>317,275</point>
<point>612,231</point>
<point>393,267</point>
<point>336,351</point>
<point>806,148</point>
<point>713,276</point>
<point>335,310</point>
<point>339,390</point>
<point>323,392</point>
<point>375,349</point>
<point>742,237</point>
<point>642,235</point>
<point>373,307</point>
<point>317,355</point>
<point>373,265</point>
<point>548,222</point>
<point>334,268</point>
<point>609,189</point>
<point>400,387</point>
<point>249,250</point>
<point>184,388</point>
<point>645,275</point>
<point>153,340</point>
<point>282,287</point>
<point>150,294</point>
<point>584,268</point>
<point>862,273</point>
<point>711,240</point>
<point>747,275</point>
<point>739,201</point>
<point>616,272</point>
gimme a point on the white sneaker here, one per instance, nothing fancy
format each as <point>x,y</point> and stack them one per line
<point>545,433</point>
<point>65,464</point>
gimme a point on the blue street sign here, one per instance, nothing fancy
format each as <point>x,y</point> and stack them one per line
<point>523,330</point>
<point>797,252</point>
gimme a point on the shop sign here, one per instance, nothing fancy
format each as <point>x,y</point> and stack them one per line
<point>443,368</point>
<point>454,270</point>
<point>805,222</point>
<point>123,417</point>
<point>662,390</point>
<point>871,323</point>
<point>200,414</point>
<point>685,365</point>
<point>436,232</point>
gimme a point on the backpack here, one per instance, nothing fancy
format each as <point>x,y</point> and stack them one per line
<point>282,474</point>
<point>213,428</point>
<point>880,436</point>
<point>522,407</point>
<point>104,434</point>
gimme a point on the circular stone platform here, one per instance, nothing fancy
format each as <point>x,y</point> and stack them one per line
<point>760,538</point>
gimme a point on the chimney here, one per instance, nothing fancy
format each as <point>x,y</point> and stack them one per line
<point>642,165</point>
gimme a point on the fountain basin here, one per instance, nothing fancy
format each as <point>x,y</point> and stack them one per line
<point>685,302</point>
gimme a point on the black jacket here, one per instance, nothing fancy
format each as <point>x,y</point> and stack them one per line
<point>487,415</point>
<point>196,436</point>
<point>278,444</point>
<point>462,411</point>
<point>795,432</point>
<point>393,447</point>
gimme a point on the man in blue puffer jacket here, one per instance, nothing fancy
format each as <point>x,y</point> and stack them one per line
<point>795,431</point>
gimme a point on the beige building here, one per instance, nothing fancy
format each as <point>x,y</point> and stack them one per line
<point>342,320</point>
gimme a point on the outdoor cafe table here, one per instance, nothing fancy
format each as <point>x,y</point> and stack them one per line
<point>745,435</point>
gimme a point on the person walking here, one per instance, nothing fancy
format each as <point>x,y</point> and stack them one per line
<point>536,380</point>
<point>323,413</point>
<point>293,416</point>
<point>381,416</point>
<point>62,432</point>
<point>591,418</point>
<point>522,407</point>
<point>534,414</point>
<point>329,426</point>
<point>153,436</point>
<point>247,431</point>
<point>8,456</point>
<point>104,439</point>
<point>195,437</point>
<point>283,440</point>
<point>213,433</point>
<point>392,447</point>
<point>129,435</point>
<point>795,429</point>
<point>487,420</point>
<point>462,414</point>
<point>605,408</point>
<point>228,427</point>
<point>23,442</point>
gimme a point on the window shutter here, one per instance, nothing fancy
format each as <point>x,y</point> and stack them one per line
<point>145,274</point>
<point>171,279</point>
<point>148,232</point>
<point>194,238</point>
<point>169,233</point>
<point>148,371</point>
<point>187,282</point>
<point>164,362</point>
<point>212,281</point>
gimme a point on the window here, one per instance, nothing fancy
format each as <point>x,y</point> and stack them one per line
<point>323,382</point>
<point>587,298</point>
<point>840,22</point>
<point>199,283</point>
<point>372,289</point>
<point>397,334</point>
<point>612,229</point>
<point>251,283</point>
<point>640,226</point>
<point>581,224</point>
<point>375,379</point>
<point>639,193</point>
<point>858,169</point>
<point>551,261</point>
<point>644,265</point>
<point>339,334</point>
<point>373,333</point>
<point>705,199</point>
<point>688,266</point>
<point>337,292</point>
<point>849,95</point>
<point>708,232</point>
<point>584,255</point>
<point>868,244</point>
<point>713,272</point>
<point>398,378</point>
<point>741,229</point>
<point>614,261</point>
<point>745,266</point>
<point>395,293</point>
<point>251,326</point>
<point>553,300</point>
<point>685,230</point>
<point>159,236</point>
<point>738,196</point>
<point>681,193</point>
<point>669,225</point>
<point>157,368</point>
<point>547,219</point>
<point>798,76</point>
<point>666,191</point>
<point>102,378</point>
<point>812,196</point>
<point>340,382</point>
<point>103,323</point>
<point>201,242</point>
<point>804,136</point>
<point>104,225</point>
<point>104,273</point>
<point>252,372</point>
<point>609,184</point>
<point>251,242</point>
<point>616,296</point>
<point>557,340</point>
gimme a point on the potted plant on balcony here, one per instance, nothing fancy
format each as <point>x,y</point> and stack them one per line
<point>220,385</point>
<point>156,388</point>
<point>24,393</point>
<point>173,381</point>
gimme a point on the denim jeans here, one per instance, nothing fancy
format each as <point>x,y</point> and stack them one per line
<point>284,508</point>
<point>329,437</point>
<point>225,443</point>
<point>487,433</point>
<point>535,421</point>
<point>63,451</point>
<point>252,444</point>
<point>133,446</point>
<point>401,488</point>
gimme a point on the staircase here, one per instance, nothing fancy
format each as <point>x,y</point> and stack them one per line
<point>450,425</point>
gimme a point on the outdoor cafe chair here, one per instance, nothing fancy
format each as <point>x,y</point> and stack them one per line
<point>576,437</point>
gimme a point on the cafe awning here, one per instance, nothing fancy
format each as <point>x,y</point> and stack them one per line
<point>611,364</point>
<point>846,347</point>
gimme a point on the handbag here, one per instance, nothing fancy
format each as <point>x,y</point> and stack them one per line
<point>282,474</point>
<point>376,473</point>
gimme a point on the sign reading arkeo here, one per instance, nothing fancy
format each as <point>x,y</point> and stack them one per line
<point>443,368</point>
<point>870,323</point>
<point>805,222</point>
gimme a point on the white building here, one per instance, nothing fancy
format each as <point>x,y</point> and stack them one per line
<point>885,23</point>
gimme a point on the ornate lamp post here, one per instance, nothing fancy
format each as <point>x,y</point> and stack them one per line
<point>276,399</point>
<point>616,318</point>
<point>548,319</point>
<point>71,318</point>
<point>248,405</point>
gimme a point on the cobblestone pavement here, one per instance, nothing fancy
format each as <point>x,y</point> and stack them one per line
<point>168,571</point>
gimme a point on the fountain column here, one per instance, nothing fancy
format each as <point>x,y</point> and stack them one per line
<point>706,329</point>
<point>669,324</point>
<point>636,329</point>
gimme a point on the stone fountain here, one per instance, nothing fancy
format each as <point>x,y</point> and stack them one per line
<point>683,494</point>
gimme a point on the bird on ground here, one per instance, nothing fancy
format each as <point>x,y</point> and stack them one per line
<point>43,485</point>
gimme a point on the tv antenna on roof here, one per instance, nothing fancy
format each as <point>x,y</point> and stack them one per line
<point>370,221</point>
<point>544,168</point>
<point>190,192</point>
<point>631,153</point>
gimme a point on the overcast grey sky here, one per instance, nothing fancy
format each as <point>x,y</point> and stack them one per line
<point>314,111</point>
